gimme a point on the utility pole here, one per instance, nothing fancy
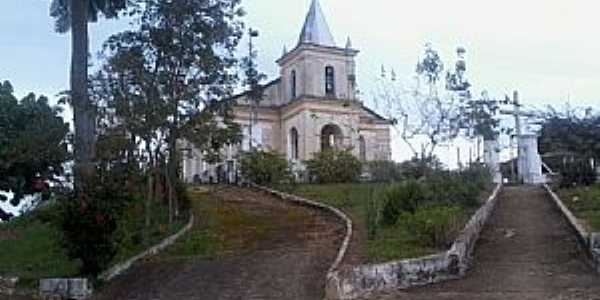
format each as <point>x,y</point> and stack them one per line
<point>253,102</point>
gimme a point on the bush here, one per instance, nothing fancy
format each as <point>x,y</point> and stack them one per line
<point>418,168</point>
<point>385,171</point>
<point>90,225</point>
<point>436,225</point>
<point>399,198</point>
<point>263,167</point>
<point>579,172</point>
<point>334,166</point>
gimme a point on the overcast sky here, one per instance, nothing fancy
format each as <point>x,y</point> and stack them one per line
<point>548,50</point>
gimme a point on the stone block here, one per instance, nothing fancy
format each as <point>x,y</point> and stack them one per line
<point>67,288</point>
<point>8,285</point>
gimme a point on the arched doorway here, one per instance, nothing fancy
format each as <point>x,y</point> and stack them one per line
<point>331,137</point>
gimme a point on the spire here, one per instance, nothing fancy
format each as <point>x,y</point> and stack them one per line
<point>285,51</point>
<point>348,44</point>
<point>315,30</point>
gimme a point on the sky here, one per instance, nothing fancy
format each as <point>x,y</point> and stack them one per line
<point>546,49</point>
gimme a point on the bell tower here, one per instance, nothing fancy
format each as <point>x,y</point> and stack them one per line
<point>317,67</point>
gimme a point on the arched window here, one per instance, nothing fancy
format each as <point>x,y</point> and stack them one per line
<point>294,143</point>
<point>331,137</point>
<point>329,81</point>
<point>293,84</point>
<point>362,147</point>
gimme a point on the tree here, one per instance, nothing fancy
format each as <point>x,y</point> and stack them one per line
<point>430,111</point>
<point>161,84</point>
<point>33,144</point>
<point>74,16</point>
<point>571,136</point>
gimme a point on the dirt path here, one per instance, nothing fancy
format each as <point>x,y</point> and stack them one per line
<point>288,262</point>
<point>526,251</point>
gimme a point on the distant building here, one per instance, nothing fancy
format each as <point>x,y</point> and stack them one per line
<point>312,106</point>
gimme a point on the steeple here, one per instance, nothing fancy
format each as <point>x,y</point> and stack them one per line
<point>315,30</point>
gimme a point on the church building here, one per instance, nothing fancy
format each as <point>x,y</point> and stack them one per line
<point>312,106</point>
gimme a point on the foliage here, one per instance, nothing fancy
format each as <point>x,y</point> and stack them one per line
<point>399,198</point>
<point>436,225</point>
<point>477,118</point>
<point>577,172</point>
<point>33,143</point>
<point>90,225</point>
<point>334,166</point>
<point>584,201</point>
<point>418,168</point>
<point>385,171</point>
<point>427,114</point>
<point>31,248</point>
<point>262,167</point>
<point>61,11</point>
<point>570,143</point>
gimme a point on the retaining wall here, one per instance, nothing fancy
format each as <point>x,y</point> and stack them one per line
<point>360,281</point>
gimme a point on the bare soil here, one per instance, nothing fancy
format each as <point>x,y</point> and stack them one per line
<point>527,251</point>
<point>289,262</point>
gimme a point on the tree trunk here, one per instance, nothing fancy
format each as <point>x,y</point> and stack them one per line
<point>83,110</point>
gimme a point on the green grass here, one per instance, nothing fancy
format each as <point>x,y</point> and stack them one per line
<point>31,246</point>
<point>31,249</point>
<point>390,243</point>
<point>584,202</point>
<point>221,229</point>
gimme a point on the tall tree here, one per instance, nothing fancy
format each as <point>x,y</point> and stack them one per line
<point>162,82</point>
<point>74,16</point>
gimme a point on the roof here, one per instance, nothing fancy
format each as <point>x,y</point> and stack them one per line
<point>315,29</point>
<point>376,115</point>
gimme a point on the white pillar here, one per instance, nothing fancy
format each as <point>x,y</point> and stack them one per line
<point>530,161</point>
<point>491,157</point>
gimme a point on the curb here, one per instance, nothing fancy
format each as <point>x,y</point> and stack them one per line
<point>589,241</point>
<point>124,266</point>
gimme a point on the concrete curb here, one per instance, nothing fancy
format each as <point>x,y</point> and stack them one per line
<point>589,241</point>
<point>336,212</point>
<point>361,281</point>
<point>124,266</point>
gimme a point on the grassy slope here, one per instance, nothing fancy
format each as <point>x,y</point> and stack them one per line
<point>30,246</point>
<point>221,229</point>
<point>584,202</point>
<point>31,249</point>
<point>396,242</point>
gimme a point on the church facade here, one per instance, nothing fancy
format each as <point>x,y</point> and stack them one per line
<point>312,106</point>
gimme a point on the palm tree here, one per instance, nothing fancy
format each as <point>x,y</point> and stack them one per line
<point>74,16</point>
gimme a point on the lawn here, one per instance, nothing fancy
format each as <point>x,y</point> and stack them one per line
<point>31,249</point>
<point>398,241</point>
<point>584,202</point>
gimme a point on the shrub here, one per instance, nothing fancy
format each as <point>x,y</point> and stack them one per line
<point>334,166</point>
<point>399,198</point>
<point>418,168</point>
<point>579,172</point>
<point>263,167</point>
<point>385,171</point>
<point>436,225</point>
<point>89,226</point>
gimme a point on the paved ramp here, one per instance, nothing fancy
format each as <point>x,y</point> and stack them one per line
<point>527,251</point>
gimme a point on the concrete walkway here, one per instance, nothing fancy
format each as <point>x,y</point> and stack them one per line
<point>526,251</point>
